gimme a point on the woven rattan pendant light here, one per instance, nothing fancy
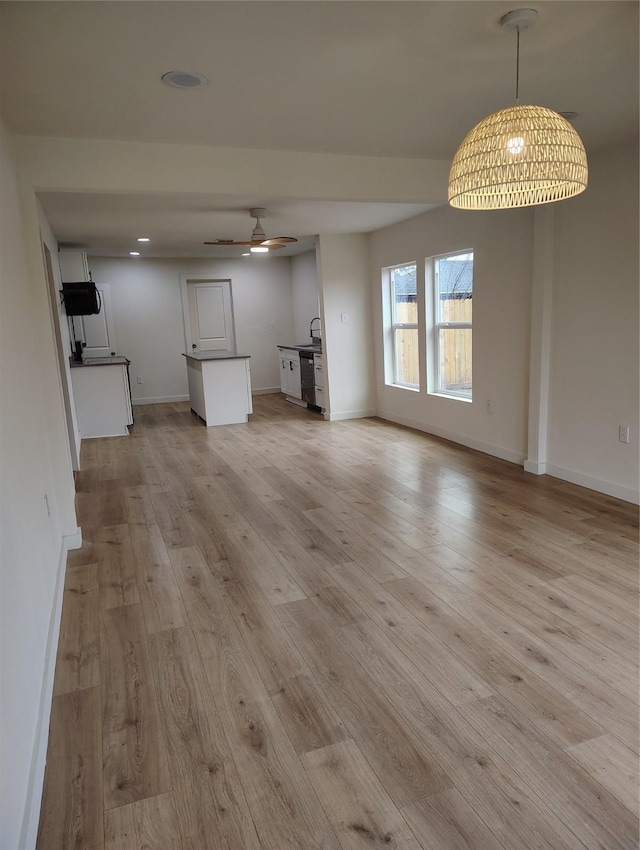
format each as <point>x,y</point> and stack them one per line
<point>520,156</point>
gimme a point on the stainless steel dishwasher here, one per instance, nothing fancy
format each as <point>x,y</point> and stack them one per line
<point>307,380</point>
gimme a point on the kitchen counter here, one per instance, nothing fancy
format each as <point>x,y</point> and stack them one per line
<point>216,355</point>
<point>99,361</point>
<point>314,349</point>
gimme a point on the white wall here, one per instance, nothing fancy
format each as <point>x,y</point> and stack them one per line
<point>343,273</point>
<point>35,461</point>
<point>502,245</point>
<point>61,321</point>
<point>60,164</point>
<point>304,281</point>
<point>594,350</point>
<point>149,326</point>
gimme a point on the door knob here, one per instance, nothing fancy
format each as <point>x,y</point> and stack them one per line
<point>193,345</point>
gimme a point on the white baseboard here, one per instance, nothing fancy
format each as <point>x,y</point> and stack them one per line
<point>535,468</point>
<point>609,488</point>
<point>265,391</point>
<point>462,439</point>
<point>74,540</point>
<point>349,414</point>
<point>31,819</point>
<point>167,399</point>
<point>297,401</point>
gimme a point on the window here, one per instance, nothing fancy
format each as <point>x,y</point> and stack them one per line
<point>403,326</point>
<point>452,277</point>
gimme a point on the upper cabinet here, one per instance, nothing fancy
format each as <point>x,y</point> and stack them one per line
<point>73,266</point>
<point>97,331</point>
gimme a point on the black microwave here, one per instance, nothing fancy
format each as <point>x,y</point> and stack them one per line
<point>81,299</point>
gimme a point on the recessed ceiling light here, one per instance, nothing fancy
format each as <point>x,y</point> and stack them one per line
<point>143,239</point>
<point>183,79</point>
<point>246,254</point>
<point>134,253</point>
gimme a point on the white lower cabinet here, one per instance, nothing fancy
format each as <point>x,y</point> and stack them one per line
<point>290,383</point>
<point>318,376</point>
<point>102,400</point>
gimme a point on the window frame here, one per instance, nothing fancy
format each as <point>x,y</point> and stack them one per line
<point>435,325</point>
<point>393,326</point>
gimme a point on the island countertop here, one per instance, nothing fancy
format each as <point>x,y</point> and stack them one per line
<point>216,355</point>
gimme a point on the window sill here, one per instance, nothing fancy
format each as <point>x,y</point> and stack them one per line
<point>452,397</point>
<point>404,387</point>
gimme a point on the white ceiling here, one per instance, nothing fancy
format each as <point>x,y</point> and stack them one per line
<point>397,79</point>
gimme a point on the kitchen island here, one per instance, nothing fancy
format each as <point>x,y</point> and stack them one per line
<point>102,396</point>
<point>219,386</point>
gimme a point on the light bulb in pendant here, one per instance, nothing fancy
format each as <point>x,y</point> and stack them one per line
<point>515,145</point>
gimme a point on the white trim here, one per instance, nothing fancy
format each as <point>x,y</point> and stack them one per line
<point>540,345</point>
<point>74,540</point>
<point>454,396</point>
<point>462,439</point>
<point>435,325</point>
<point>175,398</point>
<point>411,387</point>
<point>167,399</point>
<point>295,400</point>
<point>349,414</point>
<point>618,491</point>
<point>31,819</point>
<point>535,468</point>
<point>185,280</point>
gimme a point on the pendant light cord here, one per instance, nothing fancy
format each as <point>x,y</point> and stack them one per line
<point>517,65</point>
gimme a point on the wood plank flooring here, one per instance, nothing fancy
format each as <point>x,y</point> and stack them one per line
<point>302,635</point>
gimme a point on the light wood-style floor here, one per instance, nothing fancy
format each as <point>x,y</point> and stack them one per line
<point>301,634</point>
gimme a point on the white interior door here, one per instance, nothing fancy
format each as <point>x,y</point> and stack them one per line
<point>209,315</point>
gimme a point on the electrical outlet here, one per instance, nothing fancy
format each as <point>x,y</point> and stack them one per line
<point>489,407</point>
<point>139,379</point>
<point>345,318</point>
<point>623,434</point>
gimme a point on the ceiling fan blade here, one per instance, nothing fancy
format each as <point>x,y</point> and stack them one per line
<point>278,240</point>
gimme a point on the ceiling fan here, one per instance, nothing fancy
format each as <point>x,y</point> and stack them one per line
<point>258,243</point>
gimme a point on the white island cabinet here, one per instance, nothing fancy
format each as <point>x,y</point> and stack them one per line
<point>220,386</point>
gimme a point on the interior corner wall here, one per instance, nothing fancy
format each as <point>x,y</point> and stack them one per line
<point>60,318</point>
<point>34,464</point>
<point>149,327</point>
<point>502,242</point>
<point>345,303</point>
<point>304,280</point>
<point>595,346</point>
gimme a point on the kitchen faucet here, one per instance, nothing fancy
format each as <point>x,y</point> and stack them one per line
<point>316,319</point>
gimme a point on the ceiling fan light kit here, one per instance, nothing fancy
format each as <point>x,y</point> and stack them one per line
<point>520,156</point>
